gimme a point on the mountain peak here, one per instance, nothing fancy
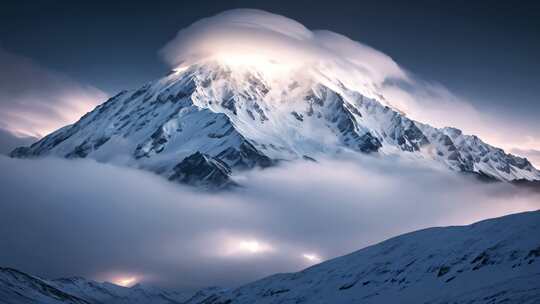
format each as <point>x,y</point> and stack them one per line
<point>205,122</point>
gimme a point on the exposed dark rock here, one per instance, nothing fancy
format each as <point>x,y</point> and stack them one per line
<point>246,157</point>
<point>260,111</point>
<point>221,135</point>
<point>348,285</point>
<point>229,104</point>
<point>80,151</point>
<point>443,270</point>
<point>271,292</point>
<point>297,116</point>
<point>305,157</point>
<point>203,171</point>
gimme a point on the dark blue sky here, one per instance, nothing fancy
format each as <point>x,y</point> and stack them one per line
<point>485,51</point>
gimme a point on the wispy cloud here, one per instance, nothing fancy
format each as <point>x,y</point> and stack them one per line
<point>35,101</point>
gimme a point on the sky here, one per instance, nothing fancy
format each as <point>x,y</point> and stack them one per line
<point>470,65</point>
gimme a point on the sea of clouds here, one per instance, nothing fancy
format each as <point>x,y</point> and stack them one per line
<point>79,217</point>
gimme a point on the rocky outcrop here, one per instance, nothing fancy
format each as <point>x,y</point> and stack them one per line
<point>203,171</point>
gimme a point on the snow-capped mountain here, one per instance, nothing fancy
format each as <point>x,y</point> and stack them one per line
<point>17,287</point>
<point>493,261</point>
<point>204,122</point>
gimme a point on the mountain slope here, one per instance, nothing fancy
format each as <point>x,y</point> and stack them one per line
<point>246,119</point>
<point>17,287</point>
<point>493,261</point>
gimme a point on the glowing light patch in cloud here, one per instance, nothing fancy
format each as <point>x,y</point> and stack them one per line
<point>126,281</point>
<point>311,257</point>
<point>238,246</point>
<point>250,246</point>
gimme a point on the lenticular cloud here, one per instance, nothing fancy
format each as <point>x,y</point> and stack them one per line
<point>246,33</point>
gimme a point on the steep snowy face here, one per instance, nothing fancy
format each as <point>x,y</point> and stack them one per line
<point>236,117</point>
<point>494,261</point>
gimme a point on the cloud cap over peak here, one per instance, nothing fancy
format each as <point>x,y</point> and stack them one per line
<point>250,32</point>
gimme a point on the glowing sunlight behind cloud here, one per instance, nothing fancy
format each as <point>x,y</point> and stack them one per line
<point>312,258</point>
<point>235,247</point>
<point>125,281</point>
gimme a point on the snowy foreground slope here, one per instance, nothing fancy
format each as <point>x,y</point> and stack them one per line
<point>493,261</point>
<point>203,123</point>
<point>18,287</point>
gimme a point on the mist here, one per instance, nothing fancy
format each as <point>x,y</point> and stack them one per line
<point>79,217</point>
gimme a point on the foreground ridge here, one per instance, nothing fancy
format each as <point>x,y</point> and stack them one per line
<point>493,261</point>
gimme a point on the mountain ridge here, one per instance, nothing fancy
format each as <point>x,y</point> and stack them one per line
<point>247,119</point>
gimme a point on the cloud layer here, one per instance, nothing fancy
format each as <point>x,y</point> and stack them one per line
<point>62,218</point>
<point>35,101</point>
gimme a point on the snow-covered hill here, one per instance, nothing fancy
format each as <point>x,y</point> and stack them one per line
<point>17,287</point>
<point>493,261</point>
<point>225,119</point>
